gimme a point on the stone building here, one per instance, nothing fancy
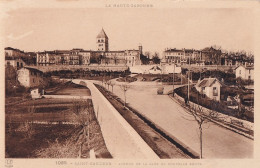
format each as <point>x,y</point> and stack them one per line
<point>102,41</point>
<point>29,77</point>
<point>16,63</point>
<point>181,56</point>
<point>14,53</point>
<point>82,57</point>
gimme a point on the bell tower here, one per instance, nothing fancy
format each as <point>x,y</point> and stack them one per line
<point>102,41</point>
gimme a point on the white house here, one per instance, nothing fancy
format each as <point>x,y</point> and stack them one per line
<point>245,72</point>
<point>210,87</point>
<point>30,77</point>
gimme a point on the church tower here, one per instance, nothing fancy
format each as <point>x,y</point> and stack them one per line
<point>102,41</point>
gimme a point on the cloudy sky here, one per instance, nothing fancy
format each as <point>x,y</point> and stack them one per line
<point>38,29</point>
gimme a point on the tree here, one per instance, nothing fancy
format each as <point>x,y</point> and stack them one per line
<point>11,82</point>
<point>212,54</point>
<point>144,59</point>
<point>201,116</point>
<point>125,87</point>
<point>147,54</point>
<point>111,83</point>
<point>115,60</point>
<point>82,111</point>
<point>156,59</point>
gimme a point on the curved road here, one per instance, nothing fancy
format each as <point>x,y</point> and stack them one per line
<point>218,142</point>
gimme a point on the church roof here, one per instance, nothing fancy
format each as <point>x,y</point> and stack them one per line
<point>102,34</point>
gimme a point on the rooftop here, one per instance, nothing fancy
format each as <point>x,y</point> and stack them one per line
<point>32,69</point>
<point>102,34</point>
<point>208,82</point>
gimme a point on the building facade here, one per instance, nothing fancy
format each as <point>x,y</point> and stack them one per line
<point>14,53</point>
<point>30,77</point>
<point>102,41</point>
<point>182,56</point>
<point>210,87</point>
<point>245,72</point>
<point>16,63</point>
<point>102,55</point>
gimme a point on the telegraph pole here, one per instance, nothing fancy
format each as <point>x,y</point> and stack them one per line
<point>188,80</point>
<point>173,78</point>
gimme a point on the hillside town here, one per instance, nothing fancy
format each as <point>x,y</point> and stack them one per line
<point>210,84</point>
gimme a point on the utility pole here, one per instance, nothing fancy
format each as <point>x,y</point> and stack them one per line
<point>188,80</point>
<point>173,78</point>
<point>181,78</point>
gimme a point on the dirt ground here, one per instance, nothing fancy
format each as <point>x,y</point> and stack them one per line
<point>27,137</point>
<point>70,88</point>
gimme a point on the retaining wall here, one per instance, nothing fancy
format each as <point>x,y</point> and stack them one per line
<point>122,141</point>
<point>223,117</point>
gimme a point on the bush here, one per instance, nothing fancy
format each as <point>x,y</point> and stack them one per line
<point>204,101</point>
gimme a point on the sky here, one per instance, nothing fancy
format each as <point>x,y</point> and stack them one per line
<point>39,29</point>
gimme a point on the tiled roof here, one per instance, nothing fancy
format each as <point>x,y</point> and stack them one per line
<point>246,67</point>
<point>32,69</point>
<point>102,34</point>
<point>208,82</point>
<point>15,49</point>
<point>174,50</point>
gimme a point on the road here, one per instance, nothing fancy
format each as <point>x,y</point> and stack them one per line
<point>218,142</point>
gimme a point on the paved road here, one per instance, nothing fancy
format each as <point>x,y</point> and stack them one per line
<point>218,142</point>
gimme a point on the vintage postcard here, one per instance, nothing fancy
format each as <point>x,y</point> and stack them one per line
<point>133,83</point>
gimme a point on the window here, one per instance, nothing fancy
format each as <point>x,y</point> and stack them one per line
<point>239,72</point>
<point>215,91</point>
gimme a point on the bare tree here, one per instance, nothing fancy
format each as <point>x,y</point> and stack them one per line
<point>115,60</point>
<point>82,111</point>
<point>155,58</point>
<point>201,116</point>
<point>125,87</point>
<point>112,84</point>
